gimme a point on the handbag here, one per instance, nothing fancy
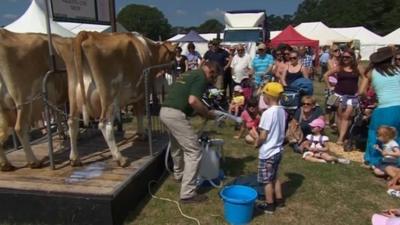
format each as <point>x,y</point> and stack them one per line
<point>333,100</point>
<point>294,134</point>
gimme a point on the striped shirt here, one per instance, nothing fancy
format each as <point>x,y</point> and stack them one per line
<point>260,66</point>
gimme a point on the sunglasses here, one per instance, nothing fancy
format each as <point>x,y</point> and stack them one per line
<point>292,58</point>
<point>336,50</point>
<point>307,103</point>
<point>397,59</point>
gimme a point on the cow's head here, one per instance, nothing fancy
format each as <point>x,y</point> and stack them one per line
<point>166,52</point>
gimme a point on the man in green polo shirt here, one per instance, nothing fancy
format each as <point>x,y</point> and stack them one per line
<point>182,100</point>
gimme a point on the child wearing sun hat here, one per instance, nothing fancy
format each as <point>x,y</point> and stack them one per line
<point>315,146</point>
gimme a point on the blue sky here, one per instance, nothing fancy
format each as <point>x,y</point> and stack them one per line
<point>178,12</point>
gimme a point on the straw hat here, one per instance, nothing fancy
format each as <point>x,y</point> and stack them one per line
<point>381,55</point>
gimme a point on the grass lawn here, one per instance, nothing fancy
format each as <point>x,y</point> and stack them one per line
<point>315,193</point>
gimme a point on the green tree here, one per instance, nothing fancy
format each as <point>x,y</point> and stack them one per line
<point>279,22</point>
<point>211,26</point>
<point>146,20</point>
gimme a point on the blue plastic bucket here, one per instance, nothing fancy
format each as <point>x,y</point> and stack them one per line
<point>238,204</point>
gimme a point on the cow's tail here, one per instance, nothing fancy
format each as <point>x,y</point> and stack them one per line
<point>78,58</point>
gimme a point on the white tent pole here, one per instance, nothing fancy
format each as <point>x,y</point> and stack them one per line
<point>50,43</point>
<point>112,16</point>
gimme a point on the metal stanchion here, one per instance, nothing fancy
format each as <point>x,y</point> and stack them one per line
<point>48,120</point>
<point>151,126</point>
<point>146,73</point>
<point>14,139</point>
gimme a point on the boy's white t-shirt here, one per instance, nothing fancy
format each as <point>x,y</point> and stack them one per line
<point>273,121</point>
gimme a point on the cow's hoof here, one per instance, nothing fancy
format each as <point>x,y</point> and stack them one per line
<point>123,162</point>
<point>75,163</point>
<point>35,165</point>
<point>7,167</point>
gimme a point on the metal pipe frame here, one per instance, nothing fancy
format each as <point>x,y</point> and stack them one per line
<point>147,90</point>
<point>47,114</point>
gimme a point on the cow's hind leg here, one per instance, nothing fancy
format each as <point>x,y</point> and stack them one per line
<point>22,131</point>
<point>139,111</point>
<point>5,165</point>
<point>107,129</point>
<point>73,130</point>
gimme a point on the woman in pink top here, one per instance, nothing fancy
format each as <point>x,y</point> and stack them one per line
<point>251,119</point>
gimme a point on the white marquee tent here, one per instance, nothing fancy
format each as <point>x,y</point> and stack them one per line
<point>78,27</point>
<point>274,34</point>
<point>369,41</point>
<point>393,38</point>
<point>200,47</point>
<point>322,33</point>
<point>34,20</point>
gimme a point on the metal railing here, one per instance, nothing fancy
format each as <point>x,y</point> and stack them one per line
<point>154,98</point>
<point>47,108</point>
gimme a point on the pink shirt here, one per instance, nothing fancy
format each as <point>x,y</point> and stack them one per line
<point>261,104</point>
<point>250,122</point>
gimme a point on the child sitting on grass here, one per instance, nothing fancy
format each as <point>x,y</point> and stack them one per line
<point>251,119</point>
<point>315,146</point>
<point>270,143</point>
<point>237,100</point>
<point>389,149</point>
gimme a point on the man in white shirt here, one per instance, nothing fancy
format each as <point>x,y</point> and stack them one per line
<point>240,65</point>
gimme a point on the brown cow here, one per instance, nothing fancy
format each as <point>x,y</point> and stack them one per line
<point>24,60</point>
<point>105,74</point>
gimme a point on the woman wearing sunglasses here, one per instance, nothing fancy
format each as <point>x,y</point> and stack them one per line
<point>397,59</point>
<point>346,88</point>
<point>295,70</point>
<point>334,59</point>
<point>280,66</point>
<point>303,116</point>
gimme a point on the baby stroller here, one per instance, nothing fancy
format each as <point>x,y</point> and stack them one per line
<point>291,97</point>
<point>358,132</point>
<point>215,99</point>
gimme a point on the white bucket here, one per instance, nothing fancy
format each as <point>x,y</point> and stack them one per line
<point>210,161</point>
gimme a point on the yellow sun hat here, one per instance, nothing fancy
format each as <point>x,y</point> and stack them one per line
<point>273,89</point>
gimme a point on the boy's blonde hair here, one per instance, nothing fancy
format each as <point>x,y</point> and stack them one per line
<point>387,131</point>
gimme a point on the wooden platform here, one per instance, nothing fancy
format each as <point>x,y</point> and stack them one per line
<point>100,192</point>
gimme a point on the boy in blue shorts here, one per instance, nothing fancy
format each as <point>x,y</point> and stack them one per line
<point>270,143</point>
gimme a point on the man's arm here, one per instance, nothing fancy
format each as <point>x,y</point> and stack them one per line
<point>200,108</point>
